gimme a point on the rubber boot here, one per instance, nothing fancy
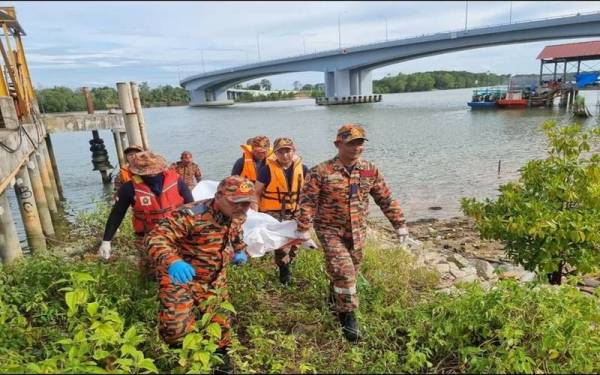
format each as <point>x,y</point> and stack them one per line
<point>285,276</point>
<point>226,367</point>
<point>349,326</point>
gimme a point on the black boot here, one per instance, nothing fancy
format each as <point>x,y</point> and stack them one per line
<point>331,299</point>
<point>225,367</point>
<point>349,326</point>
<point>285,276</point>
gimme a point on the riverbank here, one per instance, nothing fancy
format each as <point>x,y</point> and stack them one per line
<point>74,312</point>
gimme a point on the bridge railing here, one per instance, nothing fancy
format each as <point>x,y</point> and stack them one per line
<point>245,66</point>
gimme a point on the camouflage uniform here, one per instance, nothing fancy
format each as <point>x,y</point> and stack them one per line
<point>206,239</point>
<point>190,173</point>
<point>339,203</point>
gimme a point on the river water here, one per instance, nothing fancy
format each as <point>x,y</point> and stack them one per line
<point>431,148</point>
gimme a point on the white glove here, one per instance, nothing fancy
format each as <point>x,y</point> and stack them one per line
<point>303,235</point>
<point>104,250</point>
<point>310,244</point>
<point>403,235</point>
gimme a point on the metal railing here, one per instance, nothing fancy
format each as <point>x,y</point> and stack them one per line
<point>325,52</point>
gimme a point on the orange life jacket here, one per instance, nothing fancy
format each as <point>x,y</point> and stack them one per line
<point>125,174</point>
<point>249,169</point>
<point>148,209</point>
<point>277,193</point>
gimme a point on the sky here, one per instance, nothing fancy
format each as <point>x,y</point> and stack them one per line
<point>93,44</point>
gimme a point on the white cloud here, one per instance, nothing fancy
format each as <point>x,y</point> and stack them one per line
<point>164,40</point>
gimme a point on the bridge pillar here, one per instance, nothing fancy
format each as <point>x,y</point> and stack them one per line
<point>329,84</point>
<point>365,82</point>
<point>342,83</point>
<point>197,97</point>
<point>214,97</point>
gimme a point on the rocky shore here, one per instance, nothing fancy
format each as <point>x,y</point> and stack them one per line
<point>455,250</point>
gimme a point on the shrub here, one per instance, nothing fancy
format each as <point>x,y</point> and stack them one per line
<point>550,217</point>
<point>510,329</point>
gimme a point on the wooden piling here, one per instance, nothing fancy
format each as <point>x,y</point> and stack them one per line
<point>137,104</point>
<point>129,116</point>
<point>57,189</point>
<point>41,163</point>
<point>118,147</point>
<point>124,142</point>
<point>40,196</point>
<point>11,247</point>
<point>29,212</point>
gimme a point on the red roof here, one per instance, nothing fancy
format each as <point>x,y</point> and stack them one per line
<point>561,51</point>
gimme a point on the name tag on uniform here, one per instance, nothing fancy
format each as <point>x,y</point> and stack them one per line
<point>145,201</point>
<point>335,179</point>
<point>367,173</point>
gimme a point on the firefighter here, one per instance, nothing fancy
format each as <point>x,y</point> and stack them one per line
<point>255,153</point>
<point>153,192</point>
<point>278,187</point>
<point>336,198</point>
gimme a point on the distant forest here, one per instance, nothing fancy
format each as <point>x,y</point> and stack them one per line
<point>440,80</point>
<point>64,99</point>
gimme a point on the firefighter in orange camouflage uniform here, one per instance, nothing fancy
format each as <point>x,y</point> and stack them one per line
<point>191,250</point>
<point>336,194</point>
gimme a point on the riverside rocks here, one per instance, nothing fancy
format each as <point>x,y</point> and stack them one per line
<point>454,249</point>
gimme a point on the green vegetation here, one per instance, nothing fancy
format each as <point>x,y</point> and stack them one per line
<point>440,80</point>
<point>550,217</point>
<point>80,314</point>
<point>63,99</point>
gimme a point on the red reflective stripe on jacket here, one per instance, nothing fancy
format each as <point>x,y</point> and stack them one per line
<point>148,209</point>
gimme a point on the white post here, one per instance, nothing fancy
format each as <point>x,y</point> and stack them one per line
<point>137,103</point>
<point>11,247</point>
<point>131,122</point>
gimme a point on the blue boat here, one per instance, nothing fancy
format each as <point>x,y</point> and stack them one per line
<point>486,98</point>
<point>482,105</point>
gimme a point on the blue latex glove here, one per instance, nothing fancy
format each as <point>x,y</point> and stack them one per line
<point>181,272</point>
<point>240,258</point>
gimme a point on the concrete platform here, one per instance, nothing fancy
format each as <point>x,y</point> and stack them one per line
<point>220,103</point>
<point>352,99</point>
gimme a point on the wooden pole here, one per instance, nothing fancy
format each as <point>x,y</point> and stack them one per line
<point>39,157</point>
<point>119,147</point>
<point>129,115</point>
<point>40,197</point>
<point>29,212</point>
<point>53,170</point>
<point>11,247</point>
<point>135,94</point>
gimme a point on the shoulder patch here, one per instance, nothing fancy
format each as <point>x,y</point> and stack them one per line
<point>197,209</point>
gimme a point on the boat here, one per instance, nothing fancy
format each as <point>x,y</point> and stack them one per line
<point>579,108</point>
<point>485,98</point>
<point>513,99</point>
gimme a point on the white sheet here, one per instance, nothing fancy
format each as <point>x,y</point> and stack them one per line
<point>262,233</point>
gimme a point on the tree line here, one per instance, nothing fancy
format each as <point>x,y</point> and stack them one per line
<point>64,99</point>
<point>440,80</point>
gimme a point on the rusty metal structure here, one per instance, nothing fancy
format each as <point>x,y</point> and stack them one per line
<point>15,80</point>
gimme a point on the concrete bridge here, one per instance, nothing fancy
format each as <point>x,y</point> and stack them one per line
<point>348,70</point>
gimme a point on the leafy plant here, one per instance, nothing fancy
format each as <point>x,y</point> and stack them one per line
<point>550,217</point>
<point>510,329</point>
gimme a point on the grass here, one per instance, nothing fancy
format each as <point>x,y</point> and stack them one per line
<point>406,326</point>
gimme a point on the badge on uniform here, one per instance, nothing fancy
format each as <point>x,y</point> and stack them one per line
<point>367,173</point>
<point>145,201</point>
